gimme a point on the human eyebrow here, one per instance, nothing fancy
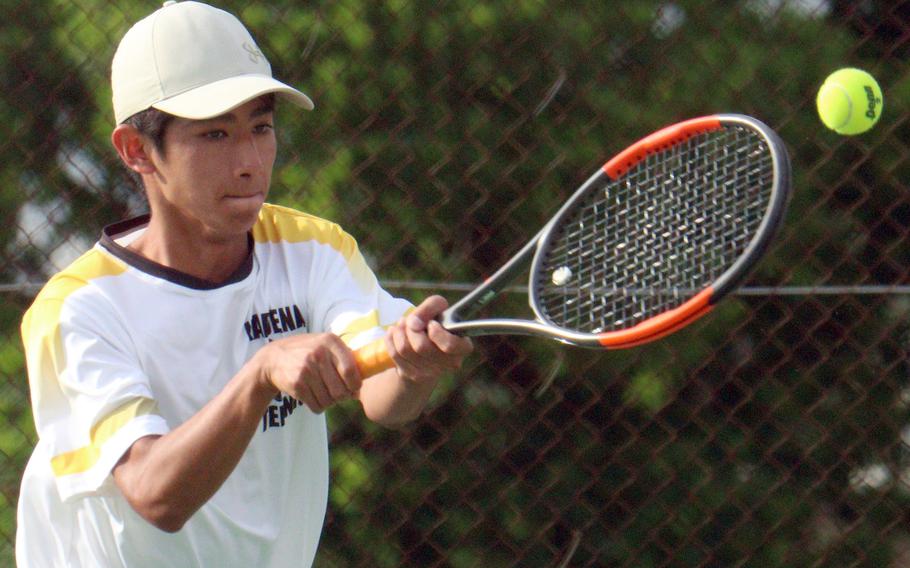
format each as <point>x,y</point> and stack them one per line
<point>262,110</point>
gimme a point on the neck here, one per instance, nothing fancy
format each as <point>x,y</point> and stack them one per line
<point>203,256</point>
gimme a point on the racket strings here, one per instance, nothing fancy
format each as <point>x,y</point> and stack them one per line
<point>644,244</point>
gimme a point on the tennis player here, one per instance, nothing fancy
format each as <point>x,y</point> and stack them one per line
<point>180,368</point>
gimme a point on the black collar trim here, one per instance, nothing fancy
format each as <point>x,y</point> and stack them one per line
<point>139,262</point>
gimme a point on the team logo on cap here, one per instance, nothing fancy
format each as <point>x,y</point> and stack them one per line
<point>255,54</point>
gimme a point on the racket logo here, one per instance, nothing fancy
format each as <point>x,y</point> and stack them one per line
<point>487,297</point>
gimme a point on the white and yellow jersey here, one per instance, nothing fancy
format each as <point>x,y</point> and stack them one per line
<point>118,348</point>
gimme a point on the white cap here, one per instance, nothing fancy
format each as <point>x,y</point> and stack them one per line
<point>193,61</point>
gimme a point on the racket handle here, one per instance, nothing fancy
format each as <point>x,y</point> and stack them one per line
<point>373,358</point>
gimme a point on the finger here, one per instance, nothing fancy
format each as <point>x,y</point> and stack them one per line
<point>346,367</point>
<point>415,323</point>
<point>341,377</point>
<point>320,393</point>
<point>336,387</point>
<point>327,378</point>
<point>318,377</point>
<point>416,336</point>
<point>448,342</point>
<point>431,307</point>
<point>398,337</point>
<point>400,349</point>
<point>307,398</point>
<point>429,359</point>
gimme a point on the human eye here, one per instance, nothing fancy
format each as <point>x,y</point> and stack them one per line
<point>263,128</point>
<point>216,134</point>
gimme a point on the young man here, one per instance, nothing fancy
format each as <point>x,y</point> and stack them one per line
<point>179,369</point>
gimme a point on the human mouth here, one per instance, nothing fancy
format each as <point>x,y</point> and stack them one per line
<point>245,197</point>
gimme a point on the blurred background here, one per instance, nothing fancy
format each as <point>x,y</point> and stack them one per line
<point>775,432</point>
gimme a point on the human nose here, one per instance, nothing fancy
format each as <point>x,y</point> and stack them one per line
<point>250,158</point>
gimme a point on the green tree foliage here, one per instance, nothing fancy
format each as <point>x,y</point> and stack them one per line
<point>445,135</point>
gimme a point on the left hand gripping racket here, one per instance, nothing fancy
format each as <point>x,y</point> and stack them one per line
<point>647,245</point>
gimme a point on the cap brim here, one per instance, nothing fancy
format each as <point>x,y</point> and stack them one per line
<point>217,98</point>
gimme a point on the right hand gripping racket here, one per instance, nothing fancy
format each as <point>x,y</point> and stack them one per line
<point>647,245</point>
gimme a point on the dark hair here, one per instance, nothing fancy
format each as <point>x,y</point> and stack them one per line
<point>152,124</point>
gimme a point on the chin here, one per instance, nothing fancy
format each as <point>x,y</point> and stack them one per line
<point>241,215</point>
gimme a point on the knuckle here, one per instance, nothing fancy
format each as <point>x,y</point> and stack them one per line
<point>337,391</point>
<point>400,343</point>
<point>309,358</point>
<point>331,340</point>
<point>350,373</point>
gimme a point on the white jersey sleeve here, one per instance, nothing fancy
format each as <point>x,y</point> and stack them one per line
<point>90,398</point>
<point>344,296</point>
<point>354,306</point>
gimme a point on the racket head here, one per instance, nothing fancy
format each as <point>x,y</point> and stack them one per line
<point>661,233</point>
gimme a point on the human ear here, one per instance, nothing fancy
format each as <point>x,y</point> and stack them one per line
<point>133,149</point>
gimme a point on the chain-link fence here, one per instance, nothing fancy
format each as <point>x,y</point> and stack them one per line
<point>776,432</point>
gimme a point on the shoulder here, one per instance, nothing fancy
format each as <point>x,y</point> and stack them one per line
<point>92,266</point>
<point>48,308</point>
<point>278,224</point>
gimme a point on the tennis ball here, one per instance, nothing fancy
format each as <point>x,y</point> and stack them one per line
<point>561,275</point>
<point>849,101</point>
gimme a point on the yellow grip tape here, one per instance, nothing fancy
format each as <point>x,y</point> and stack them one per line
<point>373,358</point>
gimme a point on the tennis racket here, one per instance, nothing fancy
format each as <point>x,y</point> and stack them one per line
<point>647,245</point>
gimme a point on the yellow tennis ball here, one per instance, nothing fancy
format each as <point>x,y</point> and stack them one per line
<point>849,101</point>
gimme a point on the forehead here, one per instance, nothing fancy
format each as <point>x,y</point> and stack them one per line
<point>256,108</point>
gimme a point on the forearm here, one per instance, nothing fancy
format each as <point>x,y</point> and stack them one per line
<point>167,479</point>
<point>392,401</point>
